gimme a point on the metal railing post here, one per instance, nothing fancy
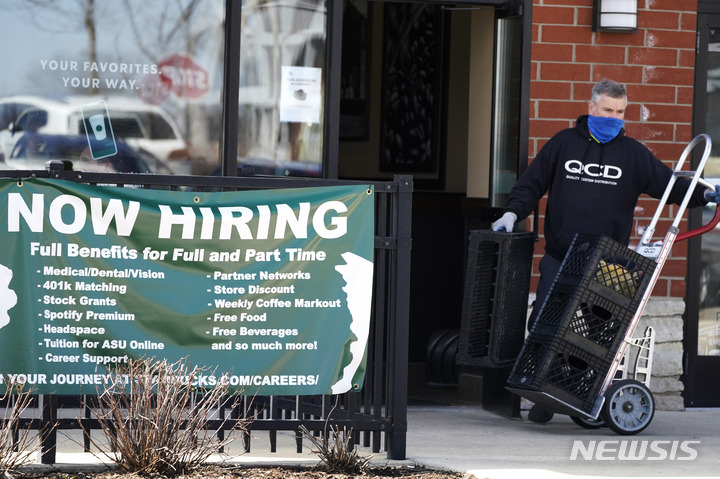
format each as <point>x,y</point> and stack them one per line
<point>48,431</point>
<point>399,332</point>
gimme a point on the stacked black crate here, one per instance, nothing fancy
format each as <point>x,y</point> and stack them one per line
<point>583,321</point>
<point>495,303</point>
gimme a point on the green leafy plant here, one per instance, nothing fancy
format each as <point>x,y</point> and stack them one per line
<point>156,422</point>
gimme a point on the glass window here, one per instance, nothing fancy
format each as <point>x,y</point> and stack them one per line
<point>508,56</point>
<point>281,96</point>
<point>127,77</point>
<point>709,315</point>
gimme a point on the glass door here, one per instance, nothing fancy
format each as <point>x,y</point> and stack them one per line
<point>702,333</point>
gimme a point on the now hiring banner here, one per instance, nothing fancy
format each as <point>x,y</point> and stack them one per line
<point>270,290</point>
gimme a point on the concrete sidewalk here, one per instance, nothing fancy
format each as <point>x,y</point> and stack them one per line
<point>468,438</point>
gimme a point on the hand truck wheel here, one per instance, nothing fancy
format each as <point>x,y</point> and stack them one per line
<point>629,407</point>
<point>588,423</point>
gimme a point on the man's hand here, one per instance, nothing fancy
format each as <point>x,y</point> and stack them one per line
<point>713,195</point>
<point>506,222</point>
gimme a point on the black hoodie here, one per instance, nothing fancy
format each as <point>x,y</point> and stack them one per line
<point>592,187</point>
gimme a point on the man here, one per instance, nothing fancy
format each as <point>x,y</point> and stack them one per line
<point>593,175</point>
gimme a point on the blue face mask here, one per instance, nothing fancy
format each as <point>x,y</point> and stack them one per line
<point>604,129</point>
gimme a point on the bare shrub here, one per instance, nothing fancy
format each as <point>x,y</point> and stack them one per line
<point>17,443</point>
<point>156,422</point>
<point>336,452</point>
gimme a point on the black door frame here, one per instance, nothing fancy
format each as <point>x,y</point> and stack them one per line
<point>700,377</point>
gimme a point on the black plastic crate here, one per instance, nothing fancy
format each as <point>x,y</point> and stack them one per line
<point>584,317</point>
<point>569,373</point>
<point>608,267</point>
<point>495,303</point>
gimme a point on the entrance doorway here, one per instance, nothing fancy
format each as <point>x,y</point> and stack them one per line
<point>435,90</point>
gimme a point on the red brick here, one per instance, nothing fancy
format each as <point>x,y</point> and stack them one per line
<point>624,39</point>
<point>546,128</point>
<point>533,148</point>
<point>688,21</point>
<point>539,143</point>
<point>620,73</point>
<point>648,205</point>
<point>542,205</point>
<point>671,113</point>
<point>669,76</point>
<point>632,113</point>
<point>655,132</point>
<point>685,94</point>
<point>667,151</point>
<point>651,93</point>
<point>585,17</point>
<point>582,90</point>
<point>680,250</point>
<point>686,58</point>
<point>675,266</point>
<point>653,56</point>
<point>683,6</point>
<point>551,52</point>
<point>661,287</point>
<point>683,133</point>
<point>677,286</point>
<point>564,71</point>
<point>561,109</point>
<point>587,3</point>
<point>659,19</point>
<point>565,34</point>
<point>556,90</point>
<point>667,220</point>
<point>668,39</point>
<point>600,54</point>
<point>554,15</point>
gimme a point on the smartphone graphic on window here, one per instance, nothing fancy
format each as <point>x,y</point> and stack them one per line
<point>98,130</point>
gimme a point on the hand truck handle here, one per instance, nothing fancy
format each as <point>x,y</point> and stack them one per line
<point>703,229</point>
<point>677,172</point>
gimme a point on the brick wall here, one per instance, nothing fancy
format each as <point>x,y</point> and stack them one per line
<point>656,64</point>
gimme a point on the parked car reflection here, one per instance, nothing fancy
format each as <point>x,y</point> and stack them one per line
<point>140,126</point>
<point>33,150</point>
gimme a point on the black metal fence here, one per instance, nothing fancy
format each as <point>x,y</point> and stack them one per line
<point>376,414</point>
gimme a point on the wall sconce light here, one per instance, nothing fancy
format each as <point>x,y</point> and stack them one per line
<point>615,16</point>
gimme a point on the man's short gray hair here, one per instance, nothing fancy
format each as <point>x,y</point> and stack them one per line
<point>608,87</point>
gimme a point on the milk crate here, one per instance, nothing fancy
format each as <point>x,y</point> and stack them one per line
<point>607,267</point>
<point>567,372</point>
<point>495,303</point>
<point>584,317</point>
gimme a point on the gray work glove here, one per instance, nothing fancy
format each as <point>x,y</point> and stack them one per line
<point>506,222</point>
<point>713,195</point>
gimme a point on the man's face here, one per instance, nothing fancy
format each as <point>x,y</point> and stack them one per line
<point>608,107</point>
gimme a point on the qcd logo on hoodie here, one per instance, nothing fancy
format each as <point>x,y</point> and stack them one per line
<point>593,169</point>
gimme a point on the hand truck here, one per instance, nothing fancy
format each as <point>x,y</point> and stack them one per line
<point>626,405</point>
